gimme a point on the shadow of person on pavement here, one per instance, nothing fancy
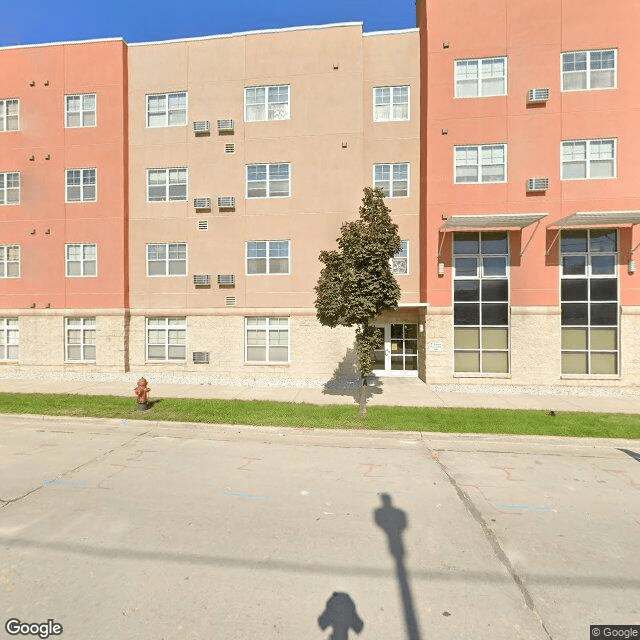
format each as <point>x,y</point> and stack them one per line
<point>393,522</point>
<point>340,614</point>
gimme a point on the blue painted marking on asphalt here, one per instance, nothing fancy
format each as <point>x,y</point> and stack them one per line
<point>248,496</point>
<point>65,483</point>
<point>537,508</point>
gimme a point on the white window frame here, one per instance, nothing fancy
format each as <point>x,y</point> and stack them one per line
<point>84,262</point>
<point>392,166</point>
<point>167,110</point>
<point>6,261</point>
<point>267,258</point>
<point>588,70</point>
<point>266,326</point>
<point>167,183</point>
<point>588,159</point>
<point>168,260</point>
<point>82,185</point>
<point>267,180</point>
<point>269,115</point>
<point>166,325</point>
<point>402,255</point>
<point>391,88</point>
<point>83,112</point>
<point>4,114</point>
<point>86,326</point>
<point>479,148</point>
<point>4,189</point>
<point>479,80</point>
<point>10,338</point>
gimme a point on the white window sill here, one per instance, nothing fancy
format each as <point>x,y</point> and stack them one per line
<point>589,376</point>
<point>506,376</point>
<point>266,364</point>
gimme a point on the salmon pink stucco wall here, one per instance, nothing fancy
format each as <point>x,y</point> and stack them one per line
<point>41,150</point>
<point>532,35</point>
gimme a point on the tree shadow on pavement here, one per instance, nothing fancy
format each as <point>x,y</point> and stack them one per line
<point>340,614</point>
<point>393,522</point>
<point>346,380</point>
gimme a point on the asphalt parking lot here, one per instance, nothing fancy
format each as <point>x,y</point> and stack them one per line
<point>117,529</point>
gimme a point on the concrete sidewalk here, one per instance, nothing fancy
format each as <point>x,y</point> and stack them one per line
<point>409,392</point>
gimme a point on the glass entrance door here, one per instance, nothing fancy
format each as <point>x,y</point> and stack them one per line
<point>399,355</point>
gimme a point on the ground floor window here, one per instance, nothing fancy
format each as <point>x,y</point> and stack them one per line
<point>589,301</point>
<point>166,339</point>
<point>266,339</point>
<point>481,302</point>
<point>80,339</point>
<point>9,338</point>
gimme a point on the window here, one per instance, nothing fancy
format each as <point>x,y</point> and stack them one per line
<point>393,179</point>
<point>588,159</point>
<point>9,338</point>
<point>268,180</point>
<point>80,110</point>
<point>400,261</point>
<point>585,70</point>
<point>481,163</point>
<point>390,103</point>
<point>166,184</point>
<point>9,115</point>
<point>9,261</point>
<point>166,339</point>
<point>481,302</point>
<point>266,103</point>
<point>481,77</point>
<point>267,340</point>
<point>167,259</point>
<point>81,185</point>
<point>80,339</point>
<point>10,188</point>
<point>167,109</point>
<point>589,301</point>
<point>268,257</point>
<point>81,260</point>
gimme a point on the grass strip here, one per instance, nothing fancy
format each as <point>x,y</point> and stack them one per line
<point>290,414</point>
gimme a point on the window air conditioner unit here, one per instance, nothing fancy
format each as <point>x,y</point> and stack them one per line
<point>537,184</point>
<point>202,280</point>
<point>203,225</point>
<point>226,202</point>
<point>226,280</point>
<point>202,203</point>
<point>225,126</point>
<point>230,301</point>
<point>200,357</point>
<point>201,126</point>
<point>230,147</point>
<point>538,95</point>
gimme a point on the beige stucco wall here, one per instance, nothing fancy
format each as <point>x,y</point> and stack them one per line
<point>330,141</point>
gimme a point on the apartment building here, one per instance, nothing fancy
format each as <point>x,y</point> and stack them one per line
<point>530,191</point>
<point>203,178</point>
<point>63,210</point>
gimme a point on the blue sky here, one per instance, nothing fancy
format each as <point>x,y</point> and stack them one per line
<point>33,21</point>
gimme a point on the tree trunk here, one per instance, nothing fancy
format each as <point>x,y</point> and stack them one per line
<point>362,412</point>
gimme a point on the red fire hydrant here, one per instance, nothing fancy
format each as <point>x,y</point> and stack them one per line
<point>142,393</point>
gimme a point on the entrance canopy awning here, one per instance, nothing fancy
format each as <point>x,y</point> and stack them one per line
<point>494,222</point>
<point>597,219</point>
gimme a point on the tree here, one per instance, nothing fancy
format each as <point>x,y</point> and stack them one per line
<point>356,283</point>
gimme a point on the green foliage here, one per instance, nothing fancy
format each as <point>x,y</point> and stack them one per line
<point>356,283</point>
